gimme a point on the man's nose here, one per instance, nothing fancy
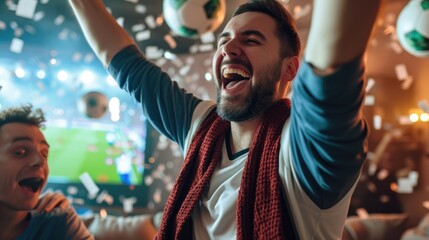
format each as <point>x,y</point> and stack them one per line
<point>231,48</point>
<point>38,160</point>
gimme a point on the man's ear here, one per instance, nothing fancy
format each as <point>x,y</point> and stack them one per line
<point>290,68</point>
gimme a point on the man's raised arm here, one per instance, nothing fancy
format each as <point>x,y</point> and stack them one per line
<point>339,31</point>
<point>105,36</point>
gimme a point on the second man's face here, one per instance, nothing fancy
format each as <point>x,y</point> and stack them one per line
<point>23,165</point>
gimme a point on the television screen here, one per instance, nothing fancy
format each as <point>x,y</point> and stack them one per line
<point>110,155</point>
<point>93,127</point>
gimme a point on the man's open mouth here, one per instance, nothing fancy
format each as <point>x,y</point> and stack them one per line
<point>231,76</point>
<point>32,184</point>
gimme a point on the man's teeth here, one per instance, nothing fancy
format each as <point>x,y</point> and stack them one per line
<point>235,71</point>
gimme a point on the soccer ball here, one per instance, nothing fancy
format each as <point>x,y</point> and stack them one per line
<point>93,104</point>
<point>412,28</point>
<point>191,18</point>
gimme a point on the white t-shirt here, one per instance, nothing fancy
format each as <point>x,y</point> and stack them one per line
<point>214,216</point>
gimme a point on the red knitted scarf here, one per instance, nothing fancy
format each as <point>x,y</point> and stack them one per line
<point>261,209</point>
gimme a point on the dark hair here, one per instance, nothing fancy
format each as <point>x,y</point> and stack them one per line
<point>23,114</point>
<point>291,44</point>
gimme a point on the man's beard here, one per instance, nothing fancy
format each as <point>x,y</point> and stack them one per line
<point>261,96</point>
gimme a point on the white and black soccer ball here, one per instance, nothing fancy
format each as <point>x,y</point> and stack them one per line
<point>412,28</point>
<point>191,18</point>
<point>93,104</point>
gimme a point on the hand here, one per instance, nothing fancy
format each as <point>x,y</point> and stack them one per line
<point>50,200</point>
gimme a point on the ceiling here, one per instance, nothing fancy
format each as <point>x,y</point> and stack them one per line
<point>53,32</point>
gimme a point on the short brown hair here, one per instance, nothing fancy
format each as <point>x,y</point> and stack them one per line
<point>291,43</point>
<point>23,114</point>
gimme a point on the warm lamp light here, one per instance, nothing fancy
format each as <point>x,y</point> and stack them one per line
<point>414,117</point>
<point>424,117</point>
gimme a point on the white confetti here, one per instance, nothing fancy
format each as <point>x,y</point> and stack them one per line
<point>405,185</point>
<point>193,49</point>
<point>150,21</point>
<point>370,84</point>
<point>401,72</point>
<point>170,56</point>
<point>138,27</point>
<point>72,190</point>
<point>101,197</point>
<point>39,16</point>
<point>184,70</point>
<point>128,204</point>
<point>11,6</point>
<point>89,58</point>
<point>16,45</point>
<point>13,25</point>
<point>377,121</point>
<point>369,100</point>
<point>63,35</point>
<point>208,37</point>
<point>2,25</point>
<point>414,177</point>
<point>143,35</point>
<point>152,52</point>
<point>30,29</point>
<point>120,21</point>
<point>59,20</point>
<point>78,201</point>
<point>206,47</point>
<point>161,62</point>
<point>140,8</point>
<point>89,183</point>
<point>148,180</point>
<point>26,8</point>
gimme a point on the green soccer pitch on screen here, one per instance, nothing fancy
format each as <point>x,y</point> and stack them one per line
<point>111,156</point>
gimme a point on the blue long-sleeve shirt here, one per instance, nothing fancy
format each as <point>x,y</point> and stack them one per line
<point>322,148</point>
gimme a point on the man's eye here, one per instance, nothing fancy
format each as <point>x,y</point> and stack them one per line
<point>20,152</point>
<point>252,40</point>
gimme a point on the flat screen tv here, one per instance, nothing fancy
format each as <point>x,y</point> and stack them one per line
<point>109,150</point>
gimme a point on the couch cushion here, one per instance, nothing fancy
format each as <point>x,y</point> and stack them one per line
<point>375,227</point>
